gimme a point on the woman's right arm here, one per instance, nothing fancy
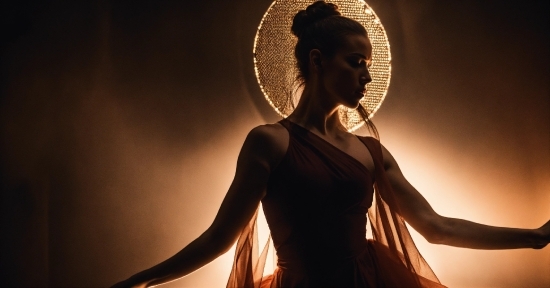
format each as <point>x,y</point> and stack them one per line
<point>262,150</point>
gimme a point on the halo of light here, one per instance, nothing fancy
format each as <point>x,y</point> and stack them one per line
<point>275,65</point>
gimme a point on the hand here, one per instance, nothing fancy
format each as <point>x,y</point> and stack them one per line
<point>544,232</point>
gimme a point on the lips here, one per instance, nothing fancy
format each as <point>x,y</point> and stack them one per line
<point>361,92</point>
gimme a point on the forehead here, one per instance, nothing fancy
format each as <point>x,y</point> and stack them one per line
<point>356,44</point>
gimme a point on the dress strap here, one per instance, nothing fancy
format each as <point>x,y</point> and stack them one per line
<point>286,123</point>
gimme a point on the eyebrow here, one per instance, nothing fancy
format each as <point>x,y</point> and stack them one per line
<point>361,55</point>
<point>369,60</point>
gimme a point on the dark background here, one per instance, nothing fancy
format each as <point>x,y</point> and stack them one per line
<point>121,122</point>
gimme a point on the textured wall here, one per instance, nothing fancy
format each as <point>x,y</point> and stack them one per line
<point>121,123</point>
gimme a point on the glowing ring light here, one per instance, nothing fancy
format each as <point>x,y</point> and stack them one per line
<point>275,65</point>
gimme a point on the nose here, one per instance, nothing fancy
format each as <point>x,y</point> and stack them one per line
<point>365,79</point>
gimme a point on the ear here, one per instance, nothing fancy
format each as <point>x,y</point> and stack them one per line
<point>315,59</point>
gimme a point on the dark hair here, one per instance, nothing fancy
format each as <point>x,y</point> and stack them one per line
<point>321,26</point>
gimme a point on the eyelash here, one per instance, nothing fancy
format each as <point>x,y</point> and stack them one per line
<point>360,63</point>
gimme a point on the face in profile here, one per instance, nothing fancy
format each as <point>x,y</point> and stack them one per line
<point>345,75</point>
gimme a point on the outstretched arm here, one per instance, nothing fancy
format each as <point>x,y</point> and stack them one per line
<point>451,231</point>
<point>261,152</point>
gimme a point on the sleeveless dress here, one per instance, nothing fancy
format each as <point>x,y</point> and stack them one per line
<point>316,207</point>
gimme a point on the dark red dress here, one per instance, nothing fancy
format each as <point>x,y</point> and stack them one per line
<point>316,207</point>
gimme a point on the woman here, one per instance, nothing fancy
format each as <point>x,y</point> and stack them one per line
<point>315,181</point>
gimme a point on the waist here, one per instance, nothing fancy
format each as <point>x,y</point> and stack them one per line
<point>319,257</point>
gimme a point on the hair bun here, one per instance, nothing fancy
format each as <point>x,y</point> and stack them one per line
<point>313,13</point>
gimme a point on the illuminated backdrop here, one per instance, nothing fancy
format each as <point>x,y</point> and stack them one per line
<point>121,122</point>
<point>275,65</point>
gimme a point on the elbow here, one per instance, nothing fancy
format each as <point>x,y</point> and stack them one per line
<point>437,232</point>
<point>435,238</point>
<point>221,242</point>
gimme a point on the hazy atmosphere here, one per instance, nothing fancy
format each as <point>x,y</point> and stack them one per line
<point>121,122</point>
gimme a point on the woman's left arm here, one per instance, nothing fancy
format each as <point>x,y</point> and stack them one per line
<point>451,231</point>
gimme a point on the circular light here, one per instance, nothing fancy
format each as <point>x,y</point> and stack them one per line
<point>275,64</point>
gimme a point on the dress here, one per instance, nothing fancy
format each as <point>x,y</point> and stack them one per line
<point>316,206</point>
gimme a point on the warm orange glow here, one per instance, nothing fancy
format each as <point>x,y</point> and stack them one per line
<point>472,187</point>
<point>121,130</point>
<point>277,79</point>
<point>263,232</point>
<point>455,184</point>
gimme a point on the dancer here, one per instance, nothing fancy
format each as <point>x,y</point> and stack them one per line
<point>316,182</point>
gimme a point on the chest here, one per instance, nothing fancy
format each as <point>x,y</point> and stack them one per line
<point>320,173</point>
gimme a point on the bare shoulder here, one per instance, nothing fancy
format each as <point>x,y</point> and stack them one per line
<point>270,135</point>
<point>269,142</point>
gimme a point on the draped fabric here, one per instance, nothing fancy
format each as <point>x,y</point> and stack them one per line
<point>316,205</point>
<point>388,227</point>
<point>248,267</point>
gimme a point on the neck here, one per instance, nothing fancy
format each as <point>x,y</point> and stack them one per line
<point>314,113</point>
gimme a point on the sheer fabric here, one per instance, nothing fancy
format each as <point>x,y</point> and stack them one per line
<point>248,267</point>
<point>315,206</point>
